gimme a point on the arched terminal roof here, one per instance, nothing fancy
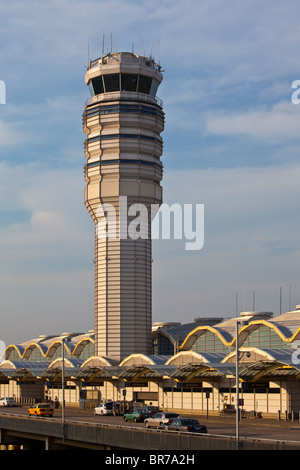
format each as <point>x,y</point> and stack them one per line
<point>137,359</point>
<point>287,326</point>
<point>188,357</point>
<point>272,364</point>
<point>177,333</point>
<point>47,345</point>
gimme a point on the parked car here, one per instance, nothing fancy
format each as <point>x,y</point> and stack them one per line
<point>186,425</point>
<point>137,415</point>
<point>41,409</point>
<point>160,418</point>
<point>7,401</point>
<point>104,408</point>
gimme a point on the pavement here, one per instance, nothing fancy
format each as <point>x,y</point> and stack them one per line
<point>224,420</point>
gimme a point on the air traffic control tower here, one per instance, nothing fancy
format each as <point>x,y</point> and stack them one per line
<point>123,121</point>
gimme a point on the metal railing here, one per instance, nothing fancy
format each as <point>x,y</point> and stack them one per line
<point>127,95</point>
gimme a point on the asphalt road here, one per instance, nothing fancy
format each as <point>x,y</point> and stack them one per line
<point>260,428</point>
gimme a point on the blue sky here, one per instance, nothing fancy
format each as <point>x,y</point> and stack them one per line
<point>231,142</point>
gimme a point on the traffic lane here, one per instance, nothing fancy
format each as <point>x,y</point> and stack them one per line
<point>214,425</point>
<point>72,414</point>
<point>253,429</point>
<point>248,428</point>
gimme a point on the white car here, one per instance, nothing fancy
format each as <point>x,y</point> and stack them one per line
<point>7,401</point>
<point>104,409</point>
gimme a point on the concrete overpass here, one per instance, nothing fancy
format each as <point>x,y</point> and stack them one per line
<point>49,434</point>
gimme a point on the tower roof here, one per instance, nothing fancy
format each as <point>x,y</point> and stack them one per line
<point>123,62</point>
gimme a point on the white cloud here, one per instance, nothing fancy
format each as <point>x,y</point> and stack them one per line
<point>45,303</point>
<point>267,125</point>
<point>10,134</point>
<point>46,272</point>
<point>53,229</point>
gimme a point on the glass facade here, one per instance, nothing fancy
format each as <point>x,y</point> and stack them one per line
<point>87,351</point>
<point>210,342</point>
<point>264,337</point>
<point>161,345</point>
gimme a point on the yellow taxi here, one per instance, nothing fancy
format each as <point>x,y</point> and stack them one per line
<point>41,409</point>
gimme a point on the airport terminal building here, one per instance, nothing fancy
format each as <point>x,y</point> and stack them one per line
<point>192,367</point>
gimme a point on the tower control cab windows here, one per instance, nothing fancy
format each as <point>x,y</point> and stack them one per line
<point>144,84</point>
<point>96,86</point>
<point>129,82</point>
<point>123,82</point>
<point>112,82</point>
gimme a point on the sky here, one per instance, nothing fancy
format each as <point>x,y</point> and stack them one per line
<point>231,142</point>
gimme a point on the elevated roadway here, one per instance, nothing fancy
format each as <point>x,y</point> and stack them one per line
<point>78,434</point>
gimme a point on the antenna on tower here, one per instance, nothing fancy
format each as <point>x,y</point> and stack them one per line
<point>102,45</point>
<point>88,55</point>
<point>280,300</point>
<point>158,53</point>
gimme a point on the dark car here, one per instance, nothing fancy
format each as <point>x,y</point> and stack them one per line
<point>137,415</point>
<point>186,425</point>
<point>153,409</point>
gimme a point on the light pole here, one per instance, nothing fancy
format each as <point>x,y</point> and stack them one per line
<point>63,341</point>
<point>237,378</point>
<point>237,381</point>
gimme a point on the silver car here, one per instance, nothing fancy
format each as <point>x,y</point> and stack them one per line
<point>160,418</point>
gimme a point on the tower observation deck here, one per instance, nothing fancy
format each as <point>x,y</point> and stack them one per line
<point>123,121</point>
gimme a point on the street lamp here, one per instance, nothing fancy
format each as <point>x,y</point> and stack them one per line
<point>237,413</point>
<point>242,322</point>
